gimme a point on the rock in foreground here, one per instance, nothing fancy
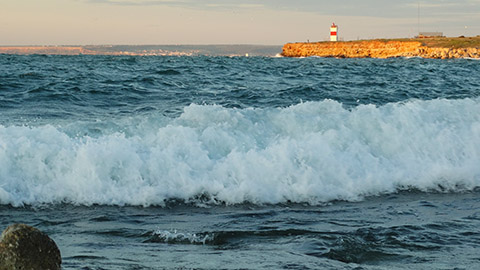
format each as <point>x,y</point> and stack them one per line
<point>25,247</point>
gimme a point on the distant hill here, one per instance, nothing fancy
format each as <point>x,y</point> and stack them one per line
<point>210,50</point>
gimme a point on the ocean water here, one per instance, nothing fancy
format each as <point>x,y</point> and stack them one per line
<point>244,162</point>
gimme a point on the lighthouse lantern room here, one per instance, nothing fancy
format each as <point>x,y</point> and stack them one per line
<point>333,32</point>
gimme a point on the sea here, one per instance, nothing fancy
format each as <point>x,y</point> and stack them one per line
<point>234,162</point>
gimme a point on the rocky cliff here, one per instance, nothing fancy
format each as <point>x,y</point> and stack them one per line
<point>377,49</point>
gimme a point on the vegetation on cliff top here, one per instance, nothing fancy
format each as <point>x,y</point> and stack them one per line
<point>435,42</point>
<point>444,42</point>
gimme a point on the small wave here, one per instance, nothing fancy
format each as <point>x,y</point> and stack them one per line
<point>31,75</point>
<point>221,237</point>
<point>371,245</point>
<point>168,72</point>
<point>180,238</point>
<point>86,258</point>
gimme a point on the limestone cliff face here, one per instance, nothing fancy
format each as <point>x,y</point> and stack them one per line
<point>375,49</point>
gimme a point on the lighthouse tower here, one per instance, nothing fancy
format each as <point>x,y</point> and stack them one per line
<point>333,32</point>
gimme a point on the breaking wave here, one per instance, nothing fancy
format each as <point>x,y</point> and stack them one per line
<point>312,152</point>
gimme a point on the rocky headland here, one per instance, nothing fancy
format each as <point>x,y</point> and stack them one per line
<point>439,48</point>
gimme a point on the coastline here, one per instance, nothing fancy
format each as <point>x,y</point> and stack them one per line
<point>145,50</point>
<point>436,48</point>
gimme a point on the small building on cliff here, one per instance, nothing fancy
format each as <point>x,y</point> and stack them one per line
<point>430,34</point>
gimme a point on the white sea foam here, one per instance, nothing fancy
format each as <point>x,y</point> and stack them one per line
<point>180,238</point>
<point>312,152</point>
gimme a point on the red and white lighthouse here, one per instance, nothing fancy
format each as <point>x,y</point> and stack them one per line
<point>333,32</point>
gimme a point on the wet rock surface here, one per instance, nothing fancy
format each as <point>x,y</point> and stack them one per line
<point>27,248</point>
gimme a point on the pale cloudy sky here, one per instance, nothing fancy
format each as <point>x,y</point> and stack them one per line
<point>275,22</point>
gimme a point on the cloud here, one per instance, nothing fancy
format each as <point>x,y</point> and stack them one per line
<point>246,6</point>
<point>140,2</point>
<point>376,8</point>
<point>354,8</point>
<point>198,4</point>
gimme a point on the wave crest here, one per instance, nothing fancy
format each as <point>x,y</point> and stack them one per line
<point>312,152</point>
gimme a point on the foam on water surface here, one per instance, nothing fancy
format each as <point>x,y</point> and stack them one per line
<point>312,152</point>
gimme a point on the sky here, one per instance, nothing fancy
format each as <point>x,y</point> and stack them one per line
<point>268,22</point>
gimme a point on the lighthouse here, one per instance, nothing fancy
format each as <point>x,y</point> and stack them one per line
<point>333,32</point>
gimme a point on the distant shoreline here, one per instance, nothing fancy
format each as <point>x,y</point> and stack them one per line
<point>438,48</point>
<point>146,50</point>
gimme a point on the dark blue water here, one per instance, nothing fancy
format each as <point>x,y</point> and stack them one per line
<point>244,163</point>
<point>80,87</point>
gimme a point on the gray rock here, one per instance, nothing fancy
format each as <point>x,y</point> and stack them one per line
<point>23,247</point>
